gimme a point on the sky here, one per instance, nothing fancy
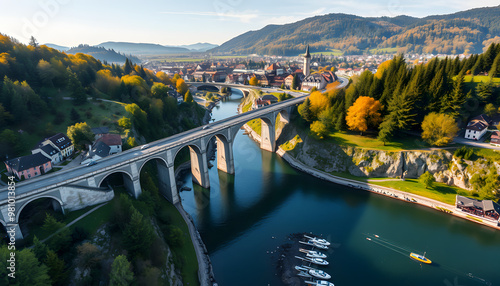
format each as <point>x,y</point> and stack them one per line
<point>71,22</point>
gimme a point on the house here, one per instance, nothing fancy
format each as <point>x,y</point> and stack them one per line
<point>98,151</point>
<point>314,80</point>
<point>477,127</point>
<point>495,138</point>
<point>113,141</point>
<point>99,131</point>
<point>264,101</point>
<point>29,166</point>
<point>60,142</point>
<point>50,152</point>
<point>289,81</point>
<point>485,209</point>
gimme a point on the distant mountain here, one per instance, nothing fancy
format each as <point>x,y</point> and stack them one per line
<point>454,33</point>
<point>139,49</point>
<point>199,47</point>
<point>57,47</point>
<point>103,54</point>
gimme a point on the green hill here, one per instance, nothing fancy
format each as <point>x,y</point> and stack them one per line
<point>103,54</point>
<point>452,34</point>
<point>142,48</point>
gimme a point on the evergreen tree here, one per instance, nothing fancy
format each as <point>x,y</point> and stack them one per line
<point>452,104</point>
<point>295,82</point>
<point>138,234</point>
<point>121,273</point>
<point>76,89</point>
<point>74,115</point>
<point>55,268</point>
<point>305,111</point>
<point>188,97</point>
<point>127,69</point>
<point>484,91</point>
<point>386,130</point>
<point>495,67</point>
<point>436,90</point>
<point>340,124</point>
<point>39,249</point>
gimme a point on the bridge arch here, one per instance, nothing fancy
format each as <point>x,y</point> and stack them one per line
<point>166,177</point>
<point>26,203</point>
<point>225,160</point>
<point>132,185</point>
<point>114,172</point>
<point>199,163</point>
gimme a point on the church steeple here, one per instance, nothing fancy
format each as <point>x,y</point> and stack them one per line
<point>307,62</point>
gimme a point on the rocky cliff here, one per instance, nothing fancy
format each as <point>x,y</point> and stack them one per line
<point>446,168</point>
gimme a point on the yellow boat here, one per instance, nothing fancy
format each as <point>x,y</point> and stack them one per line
<point>420,258</point>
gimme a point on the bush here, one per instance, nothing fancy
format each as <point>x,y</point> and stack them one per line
<point>464,152</point>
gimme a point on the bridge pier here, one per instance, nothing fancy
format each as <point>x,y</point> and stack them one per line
<point>133,186</point>
<point>268,134</point>
<point>225,160</point>
<point>199,167</point>
<point>167,185</point>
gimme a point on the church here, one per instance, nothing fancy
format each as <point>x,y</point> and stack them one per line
<point>317,80</point>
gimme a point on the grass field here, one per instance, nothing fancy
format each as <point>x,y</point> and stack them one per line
<point>350,138</point>
<point>332,52</point>
<point>384,51</point>
<point>480,78</point>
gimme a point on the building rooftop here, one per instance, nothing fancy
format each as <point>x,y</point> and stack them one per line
<point>49,150</point>
<point>100,130</point>
<point>27,162</point>
<point>485,205</point>
<point>110,139</point>
<point>61,141</point>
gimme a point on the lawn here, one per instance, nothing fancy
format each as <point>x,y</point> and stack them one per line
<point>384,50</point>
<point>480,78</point>
<point>370,141</point>
<point>332,52</point>
<point>487,154</point>
<point>440,192</point>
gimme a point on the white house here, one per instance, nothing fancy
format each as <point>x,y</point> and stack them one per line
<point>114,141</point>
<point>477,127</point>
<point>60,142</point>
<point>50,152</point>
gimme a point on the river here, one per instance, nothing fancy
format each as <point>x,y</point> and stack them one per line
<point>243,218</point>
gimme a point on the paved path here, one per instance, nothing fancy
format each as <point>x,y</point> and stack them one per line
<point>73,222</point>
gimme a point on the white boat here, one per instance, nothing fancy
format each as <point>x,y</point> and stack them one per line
<point>318,261</point>
<point>319,274</point>
<point>319,283</point>
<point>314,244</point>
<point>313,253</point>
<point>318,240</point>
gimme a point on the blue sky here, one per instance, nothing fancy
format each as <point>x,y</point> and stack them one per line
<point>72,22</point>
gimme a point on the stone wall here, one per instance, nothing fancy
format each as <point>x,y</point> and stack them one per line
<point>76,198</point>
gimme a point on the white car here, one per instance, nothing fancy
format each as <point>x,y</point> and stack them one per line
<point>145,146</point>
<point>206,127</point>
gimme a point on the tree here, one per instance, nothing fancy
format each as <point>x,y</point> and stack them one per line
<point>131,142</point>
<point>386,130</point>
<point>295,82</point>
<point>127,69</point>
<point>484,91</point>
<point>74,115</point>
<point>76,88</point>
<point>33,42</point>
<point>56,268</point>
<point>188,97</point>
<point>495,67</point>
<point>489,109</point>
<point>39,249</point>
<point>125,123</point>
<point>121,273</point>
<point>319,129</point>
<point>364,112</point>
<point>319,102</point>
<point>181,86</point>
<point>439,129</point>
<point>88,257</point>
<point>80,134</point>
<point>138,233</point>
<point>254,81</point>
<point>159,90</point>
<point>305,111</point>
<point>427,179</point>
<point>29,271</point>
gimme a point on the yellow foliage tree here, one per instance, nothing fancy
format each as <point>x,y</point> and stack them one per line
<point>181,86</point>
<point>381,68</point>
<point>319,129</point>
<point>319,102</point>
<point>254,81</point>
<point>439,129</point>
<point>364,112</point>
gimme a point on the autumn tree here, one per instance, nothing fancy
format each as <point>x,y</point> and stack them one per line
<point>363,113</point>
<point>254,81</point>
<point>80,134</point>
<point>121,273</point>
<point>439,129</point>
<point>490,109</point>
<point>125,123</point>
<point>181,86</point>
<point>319,102</point>
<point>159,90</point>
<point>427,179</point>
<point>188,97</point>
<point>319,128</point>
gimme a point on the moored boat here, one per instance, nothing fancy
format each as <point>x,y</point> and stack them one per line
<point>315,244</point>
<point>319,283</point>
<point>420,258</point>
<point>318,261</point>
<point>313,253</point>
<point>318,240</point>
<point>319,274</point>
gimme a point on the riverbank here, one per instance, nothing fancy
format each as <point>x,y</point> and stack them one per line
<point>380,190</point>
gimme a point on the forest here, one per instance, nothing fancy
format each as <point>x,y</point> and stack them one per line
<point>36,80</point>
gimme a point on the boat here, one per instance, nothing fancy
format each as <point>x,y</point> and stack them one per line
<point>314,244</point>
<point>318,240</point>
<point>313,253</point>
<point>318,261</point>
<point>319,283</point>
<point>319,274</point>
<point>420,258</point>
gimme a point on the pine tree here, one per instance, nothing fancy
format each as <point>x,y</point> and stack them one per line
<point>453,103</point>
<point>55,268</point>
<point>295,82</point>
<point>436,91</point>
<point>495,67</point>
<point>127,69</point>
<point>386,130</point>
<point>138,234</point>
<point>305,111</point>
<point>39,248</point>
<point>188,97</point>
<point>121,272</point>
<point>76,88</point>
<point>484,91</point>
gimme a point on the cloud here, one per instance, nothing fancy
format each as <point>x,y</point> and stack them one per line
<point>243,17</point>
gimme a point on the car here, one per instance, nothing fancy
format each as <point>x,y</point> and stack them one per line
<point>206,127</point>
<point>91,163</point>
<point>144,146</point>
